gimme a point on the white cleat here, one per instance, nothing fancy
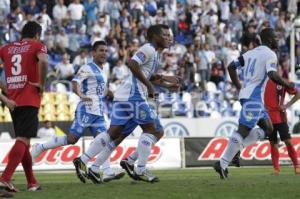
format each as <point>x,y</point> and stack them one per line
<point>113,175</point>
<point>35,152</point>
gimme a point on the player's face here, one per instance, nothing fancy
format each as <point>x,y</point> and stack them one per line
<point>165,38</point>
<point>100,55</point>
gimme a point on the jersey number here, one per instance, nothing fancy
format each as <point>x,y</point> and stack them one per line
<point>250,67</point>
<point>16,68</point>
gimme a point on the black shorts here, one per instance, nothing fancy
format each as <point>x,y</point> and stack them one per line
<point>25,121</point>
<point>283,130</point>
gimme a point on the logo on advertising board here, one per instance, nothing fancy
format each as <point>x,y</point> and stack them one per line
<point>259,151</point>
<point>175,129</point>
<point>65,155</point>
<point>226,129</point>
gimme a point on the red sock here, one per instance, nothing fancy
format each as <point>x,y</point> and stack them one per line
<point>27,166</point>
<point>293,155</point>
<point>275,157</point>
<point>14,158</point>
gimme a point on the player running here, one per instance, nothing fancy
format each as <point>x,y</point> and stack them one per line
<point>26,64</point>
<point>274,103</point>
<point>257,64</point>
<point>90,84</point>
<point>130,107</point>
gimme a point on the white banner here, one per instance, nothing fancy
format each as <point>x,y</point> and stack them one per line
<point>196,127</point>
<point>165,154</point>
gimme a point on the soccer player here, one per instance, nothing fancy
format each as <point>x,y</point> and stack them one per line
<point>257,64</point>
<point>274,103</point>
<point>26,64</point>
<point>131,108</point>
<point>90,84</point>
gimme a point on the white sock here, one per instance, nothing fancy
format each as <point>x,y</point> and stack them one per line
<point>100,142</point>
<point>103,158</point>
<point>255,135</point>
<point>234,145</point>
<point>145,144</point>
<point>54,142</point>
<point>132,158</point>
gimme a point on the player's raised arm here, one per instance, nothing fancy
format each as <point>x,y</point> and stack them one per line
<point>294,99</point>
<point>136,71</point>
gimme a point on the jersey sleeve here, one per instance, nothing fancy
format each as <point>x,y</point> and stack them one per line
<point>82,74</point>
<point>239,62</point>
<point>40,49</point>
<point>143,54</point>
<point>271,63</point>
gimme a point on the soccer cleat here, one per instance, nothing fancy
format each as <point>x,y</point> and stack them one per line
<point>113,175</point>
<point>5,194</point>
<point>296,171</point>
<point>236,159</point>
<point>35,152</point>
<point>34,187</point>
<point>222,172</point>
<point>8,186</point>
<point>80,168</point>
<point>128,168</point>
<point>276,172</point>
<point>146,176</point>
<point>94,176</point>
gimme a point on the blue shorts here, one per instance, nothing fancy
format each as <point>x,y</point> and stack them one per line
<point>95,123</point>
<point>252,112</point>
<point>133,113</point>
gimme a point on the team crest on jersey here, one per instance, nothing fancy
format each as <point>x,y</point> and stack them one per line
<point>249,116</point>
<point>279,87</point>
<point>273,65</point>
<point>141,56</point>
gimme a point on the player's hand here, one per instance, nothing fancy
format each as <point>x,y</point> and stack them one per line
<point>151,92</point>
<point>174,87</point>
<point>10,104</point>
<point>282,108</point>
<point>290,85</point>
<point>38,86</point>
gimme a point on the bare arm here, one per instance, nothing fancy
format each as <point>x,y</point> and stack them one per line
<point>136,71</point>
<point>77,91</point>
<point>170,82</point>
<point>273,75</point>
<point>9,103</point>
<point>3,87</point>
<point>234,76</point>
<point>293,100</point>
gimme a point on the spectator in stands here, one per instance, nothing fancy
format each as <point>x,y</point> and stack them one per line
<point>100,31</point>
<point>47,131</point>
<point>62,40</point>
<point>65,70</point>
<point>74,39</point>
<point>207,57</point>
<point>114,7</point>
<point>80,59</point>
<point>45,20</point>
<point>60,11</point>
<point>90,8</point>
<point>31,8</point>
<point>76,12</point>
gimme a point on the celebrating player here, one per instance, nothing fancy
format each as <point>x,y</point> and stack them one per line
<point>26,64</point>
<point>90,85</point>
<point>131,108</point>
<point>257,64</point>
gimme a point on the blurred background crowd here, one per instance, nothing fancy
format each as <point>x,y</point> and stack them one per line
<point>207,37</point>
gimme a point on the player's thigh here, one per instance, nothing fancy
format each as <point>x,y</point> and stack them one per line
<point>25,121</point>
<point>145,116</point>
<point>251,113</point>
<point>273,136</point>
<point>284,132</point>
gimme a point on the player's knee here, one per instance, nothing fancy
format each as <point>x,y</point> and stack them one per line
<point>72,139</point>
<point>288,142</point>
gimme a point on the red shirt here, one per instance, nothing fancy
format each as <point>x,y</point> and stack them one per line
<point>21,67</point>
<point>274,96</point>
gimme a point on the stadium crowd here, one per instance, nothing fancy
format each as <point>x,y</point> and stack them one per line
<point>207,37</point>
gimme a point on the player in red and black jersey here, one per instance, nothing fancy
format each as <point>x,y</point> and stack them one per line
<point>26,64</point>
<point>274,103</point>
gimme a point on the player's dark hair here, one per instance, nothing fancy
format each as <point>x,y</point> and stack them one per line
<point>267,37</point>
<point>155,30</point>
<point>98,43</point>
<point>30,30</point>
<point>248,38</point>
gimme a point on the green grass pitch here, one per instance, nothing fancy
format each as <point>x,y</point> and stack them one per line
<point>252,183</point>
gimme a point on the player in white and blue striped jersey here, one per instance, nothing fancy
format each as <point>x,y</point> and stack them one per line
<point>257,66</point>
<point>131,108</point>
<point>90,84</point>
